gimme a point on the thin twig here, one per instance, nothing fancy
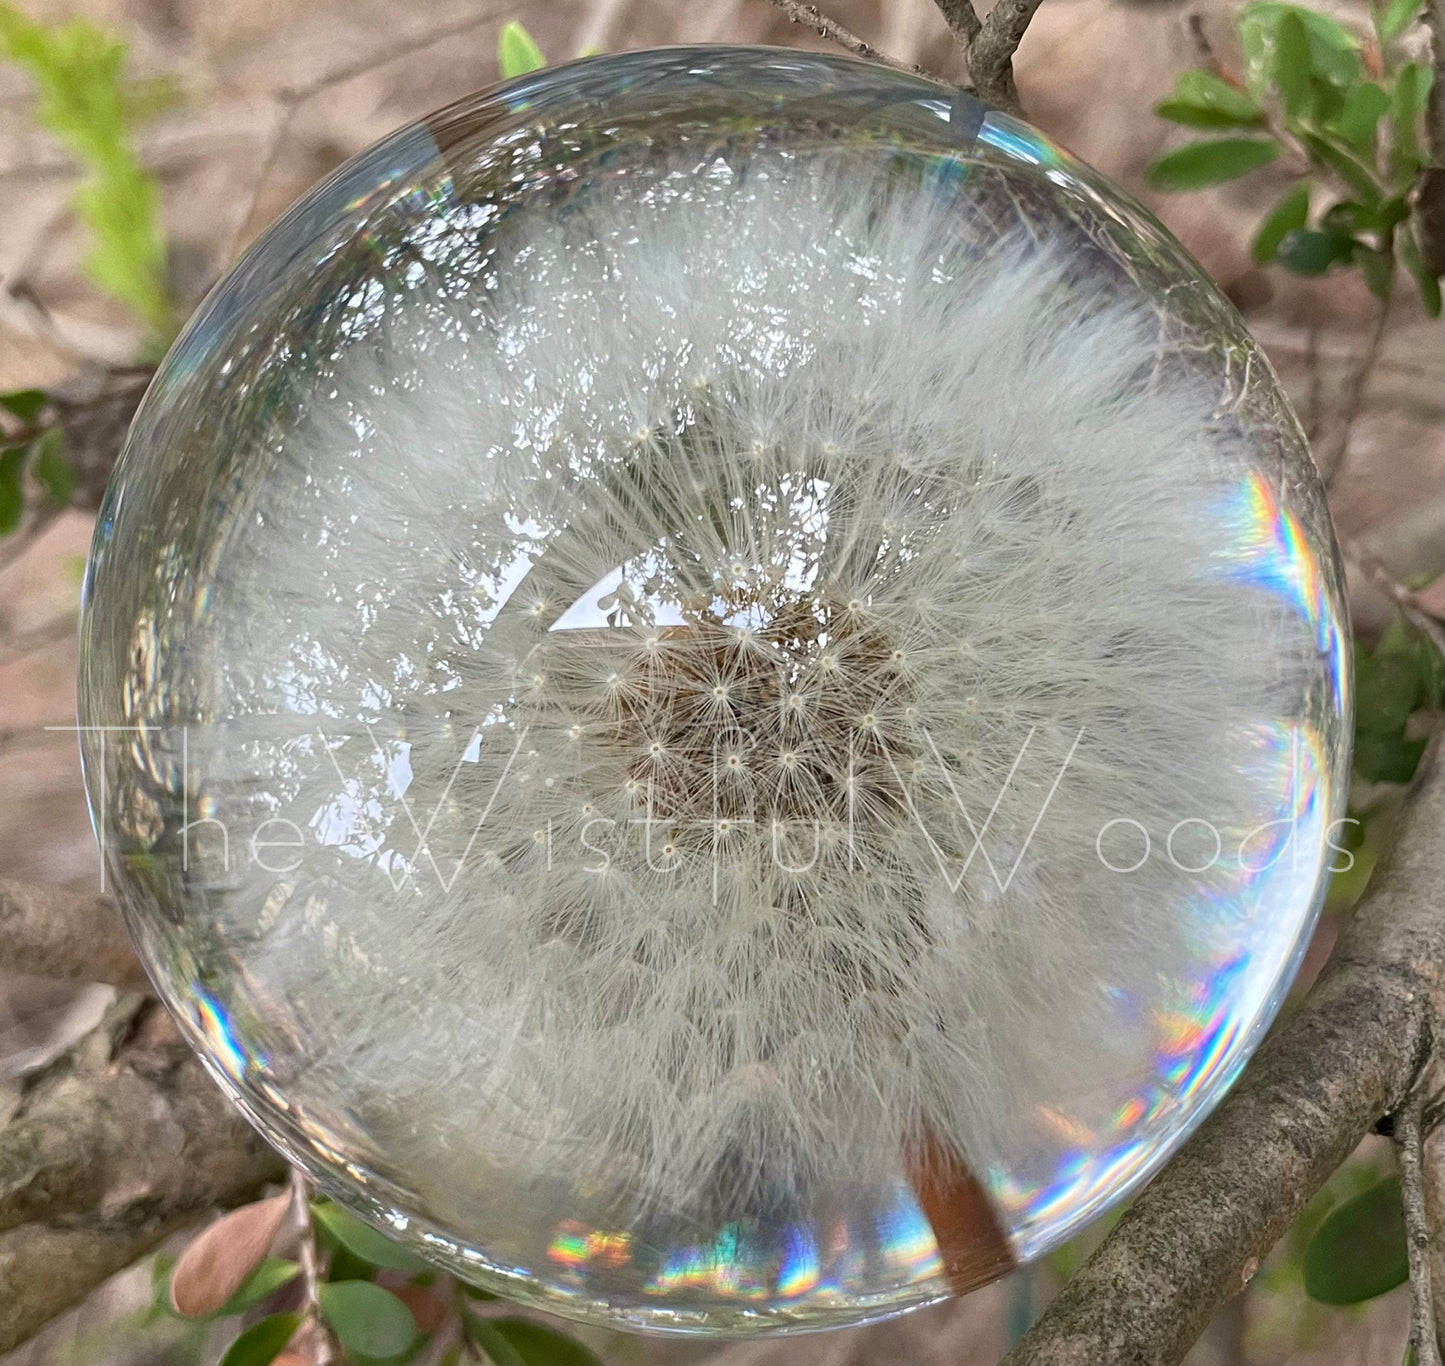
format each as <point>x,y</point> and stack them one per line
<point>1378,573</point>
<point>1312,369</point>
<point>1355,397</point>
<point>1425,1315</point>
<point>834,32</point>
<point>270,152</point>
<point>310,1268</point>
<point>291,100</point>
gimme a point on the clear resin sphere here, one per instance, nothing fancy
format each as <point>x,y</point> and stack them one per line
<point>714,686</point>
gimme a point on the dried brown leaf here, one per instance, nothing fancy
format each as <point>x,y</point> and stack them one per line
<point>218,1260</point>
<point>426,1309</point>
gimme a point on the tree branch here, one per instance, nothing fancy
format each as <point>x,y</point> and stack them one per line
<point>834,32</point>
<point>1428,192</point>
<point>990,54</point>
<point>988,46</point>
<point>114,1146</point>
<point>50,932</point>
<point>1421,1239</point>
<point>1320,1083</point>
<point>961,19</point>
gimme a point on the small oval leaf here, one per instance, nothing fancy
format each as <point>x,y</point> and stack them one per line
<point>262,1342</point>
<point>220,1258</point>
<point>264,1281</point>
<point>535,1344</point>
<point>368,1320</point>
<point>1292,67</point>
<point>1309,251</point>
<point>12,494</point>
<point>26,404</point>
<point>1394,17</point>
<point>1287,216</point>
<point>1360,116</point>
<point>361,1240</point>
<point>1209,163</point>
<point>51,469</point>
<point>517,51</point>
<point>1359,1251</point>
<point>1203,100</point>
<point>484,1336</point>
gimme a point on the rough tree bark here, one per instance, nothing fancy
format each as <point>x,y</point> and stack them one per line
<point>114,1146</point>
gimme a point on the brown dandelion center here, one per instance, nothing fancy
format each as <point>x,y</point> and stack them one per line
<point>772,708</point>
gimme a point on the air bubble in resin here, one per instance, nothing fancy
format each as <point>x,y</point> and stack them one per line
<point>715,690</point>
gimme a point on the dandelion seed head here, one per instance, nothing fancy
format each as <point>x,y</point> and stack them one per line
<point>901,527</point>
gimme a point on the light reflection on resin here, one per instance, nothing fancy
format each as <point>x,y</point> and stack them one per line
<point>727,690</point>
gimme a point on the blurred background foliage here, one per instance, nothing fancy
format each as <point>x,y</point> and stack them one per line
<point>1318,125</point>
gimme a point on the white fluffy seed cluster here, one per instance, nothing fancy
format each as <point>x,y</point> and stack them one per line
<point>777,531</point>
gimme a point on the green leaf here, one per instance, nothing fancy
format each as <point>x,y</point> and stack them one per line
<point>1388,686</point>
<point>1387,758</point>
<point>363,1241</point>
<point>1409,645</point>
<point>262,1342</point>
<point>1312,251</point>
<point>1431,670</point>
<point>26,404</point>
<point>1378,270</point>
<point>346,1266</point>
<point>1292,68</point>
<point>1359,1251</point>
<point>1355,845</point>
<point>1197,116</point>
<point>1350,218</point>
<point>1289,215</point>
<point>537,1345</point>
<point>1333,51</point>
<point>498,1350</point>
<point>517,51</point>
<point>12,494</point>
<point>1343,164</point>
<point>368,1320</point>
<point>1359,120</point>
<point>1404,672</point>
<point>1209,163</point>
<point>270,1275</point>
<point>1408,97</point>
<point>1203,100</point>
<point>1394,18</point>
<point>1410,258</point>
<point>162,1264</point>
<point>77,70</point>
<point>50,468</point>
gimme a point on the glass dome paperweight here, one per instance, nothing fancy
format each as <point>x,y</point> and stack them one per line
<point>714,686</point>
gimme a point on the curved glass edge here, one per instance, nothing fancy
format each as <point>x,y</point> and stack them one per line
<point>384,172</point>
